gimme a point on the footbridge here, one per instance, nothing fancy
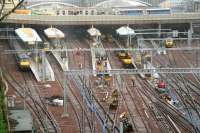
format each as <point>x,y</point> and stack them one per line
<point>102,19</point>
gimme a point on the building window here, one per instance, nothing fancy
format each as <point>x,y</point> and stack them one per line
<point>63,12</point>
<point>86,12</point>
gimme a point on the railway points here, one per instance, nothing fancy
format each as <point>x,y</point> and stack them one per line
<point>113,72</point>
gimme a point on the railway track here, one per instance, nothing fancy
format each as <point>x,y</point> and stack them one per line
<point>39,110</point>
<point>150,101</point>
<point>113,115</point>
<point>170,123</point>
<point>80,59</point>
<point>162,106</point>
<point>33,93</point>
<point>191,104</point>
<point>188,87</point>
<point>143,108</point>
<point>147,105</point>
<point>22,88</point>
<point>179,82</point>
<point>70,97</point>
<point>102,95</point>
<point>102,115</point>
<point>170,64</point>
<point>74,99</point>
<point>135,99</point>
<point>133,111</point>
<point>88,90</point>
<point>184,94</point>
<point>141,105</point>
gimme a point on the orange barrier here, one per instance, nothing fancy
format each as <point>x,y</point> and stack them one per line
<point>22,11</point>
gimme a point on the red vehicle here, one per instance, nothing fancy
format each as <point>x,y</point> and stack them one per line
<point>161,84</point>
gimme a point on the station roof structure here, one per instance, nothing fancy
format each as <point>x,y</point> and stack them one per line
<point>20,120</point>
<point>125,30</point>
<point>93,3</point>
<point>122,3</point>
<point>48,4</point>
<point>94,32</point>
<point>175,5</point>
<point>54,33</point>
<point>28,35</point>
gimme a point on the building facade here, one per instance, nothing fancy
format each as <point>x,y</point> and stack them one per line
<point>94,2</point>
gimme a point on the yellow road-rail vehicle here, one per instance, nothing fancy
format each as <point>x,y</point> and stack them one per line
<point>169,43</point>
<point>114,100</point>
<point>125,58</point>
<point>127,126</point>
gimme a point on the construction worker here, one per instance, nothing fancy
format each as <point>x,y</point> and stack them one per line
<point>78,51</point>
<point>80,65</point>
<point>133,80</point>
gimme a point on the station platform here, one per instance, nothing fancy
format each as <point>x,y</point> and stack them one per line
<point>36,68</point>
<point>94,60</point>
<point>63,62</point>
<point>40,75</point>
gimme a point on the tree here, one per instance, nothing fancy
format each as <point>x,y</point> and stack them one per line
<point>3,16</point>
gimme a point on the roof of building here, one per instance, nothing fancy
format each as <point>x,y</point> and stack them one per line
<point>121,3</point>
<point>54,33</point>
<point>172,3</point>
<point>20,120</point>
<point>125,30</point>
<point>28,35</point>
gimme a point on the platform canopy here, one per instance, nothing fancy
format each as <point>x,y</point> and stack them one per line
<point>28,35</point>
<point>54,33</point>
<point>94,32</point>
<point>125,30</point>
